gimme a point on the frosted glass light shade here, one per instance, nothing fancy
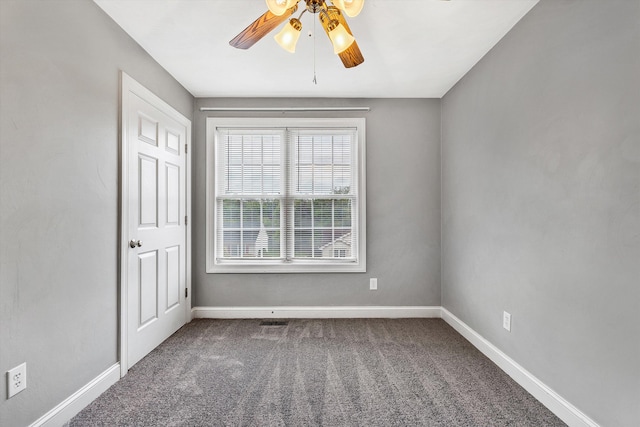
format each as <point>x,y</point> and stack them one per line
<point>289,35</point>
<point>340,38</point>
<point>350,7</point>
<point>278,7</point>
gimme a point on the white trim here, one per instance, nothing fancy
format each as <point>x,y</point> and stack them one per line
<point>549,398</point>
<point>75,403</point>
<point>338,312</point>
<point>129,85</point>
<point>188,241</point>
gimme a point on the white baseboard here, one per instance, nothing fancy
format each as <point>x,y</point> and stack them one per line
<point>75,403</point>
<point>549,398</point>
<point>338,312</point>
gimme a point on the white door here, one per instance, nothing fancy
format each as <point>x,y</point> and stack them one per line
<point>154,231</point>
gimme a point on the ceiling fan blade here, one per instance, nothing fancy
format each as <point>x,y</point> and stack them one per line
<point>260,28</point>
<point>352,56</point>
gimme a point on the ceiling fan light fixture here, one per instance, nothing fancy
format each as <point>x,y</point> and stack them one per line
<point>331,17</point>
<point>340,38</point>
<point>350,7</point>
<point>279,7</point>
<point>288,37</point>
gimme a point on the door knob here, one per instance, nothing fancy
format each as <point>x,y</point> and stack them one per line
<point>134,243</point>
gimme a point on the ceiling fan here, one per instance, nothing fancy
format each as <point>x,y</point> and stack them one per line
<point>331,17</point>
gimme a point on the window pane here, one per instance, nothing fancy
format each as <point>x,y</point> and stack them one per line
<point>249,247</point>
<point>256,237</point>
<point>342,244</point>
<point>231,244</point>
<point>273,242</point>
<point>261,244</point>
<point>341,179</point>
<point>322,213</point>
<point>342,150</point>
<point>271,179</point>
<point>234,150</point>
<point>252,163</point>
<point>271,213</point>
<point>271,150</point>
<point>342,215</point>
<point>252,150</point>
<point>322,164</point>
<point>302,213</point>
<point>322,179</point>
<point>234,180</point>
<point>322,150</point>
<point>302,244</point>
<point>305,179</point>
<point>252,180</point>
<point>304,150</point>
<point>323,243</point>
<point>344,236</point>
<point>251,214</point>
<point>231,213</point>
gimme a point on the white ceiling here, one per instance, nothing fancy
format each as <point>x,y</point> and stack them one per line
<point>412,48</point>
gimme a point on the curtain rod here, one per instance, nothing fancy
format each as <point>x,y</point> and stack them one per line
<point>284,109</point>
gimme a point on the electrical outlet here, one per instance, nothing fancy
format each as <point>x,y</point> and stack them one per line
<point>506,321</point>
<point>373,284</point>
<point>16,380</point>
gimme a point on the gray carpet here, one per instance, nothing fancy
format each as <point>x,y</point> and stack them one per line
<point>346,372</point>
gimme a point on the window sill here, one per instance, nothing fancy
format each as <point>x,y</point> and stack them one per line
<point>293,267</point>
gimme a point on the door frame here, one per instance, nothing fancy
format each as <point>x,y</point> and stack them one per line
<point>129,85</point>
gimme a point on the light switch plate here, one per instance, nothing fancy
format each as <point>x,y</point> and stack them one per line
<point>506,321</point>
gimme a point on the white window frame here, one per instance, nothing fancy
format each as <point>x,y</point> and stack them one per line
<point>213,265</point>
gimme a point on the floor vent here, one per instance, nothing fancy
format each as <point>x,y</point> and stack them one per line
<point>274,323</point>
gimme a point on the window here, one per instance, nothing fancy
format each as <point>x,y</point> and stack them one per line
<point>285,195</point>
<point>340,253</point>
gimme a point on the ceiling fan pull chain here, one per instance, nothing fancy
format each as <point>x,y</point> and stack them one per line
<point>315,80</point>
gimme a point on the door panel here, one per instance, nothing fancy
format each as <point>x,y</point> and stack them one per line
<point>148,284</point>
<point>157,272</point>
<point>173,276</point>
<point>147,130</point>
<point>148,191</point>
<point>173,194</point>
<point>173,142</point>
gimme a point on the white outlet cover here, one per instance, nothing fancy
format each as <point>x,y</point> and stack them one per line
<point>16,380</point>
<point>373,284</point>
<point>506,321</point>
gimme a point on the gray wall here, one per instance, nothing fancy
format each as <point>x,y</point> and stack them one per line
<point>541,201</point>
<point>403,215</point>
<point>540,197</point>
<point>59,193</point>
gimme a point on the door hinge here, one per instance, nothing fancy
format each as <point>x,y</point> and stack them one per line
<point>186,148</point>
<point>186,292</point>
<point>186,220</point>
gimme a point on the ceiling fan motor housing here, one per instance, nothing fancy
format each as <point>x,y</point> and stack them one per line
<point>315,6</point>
